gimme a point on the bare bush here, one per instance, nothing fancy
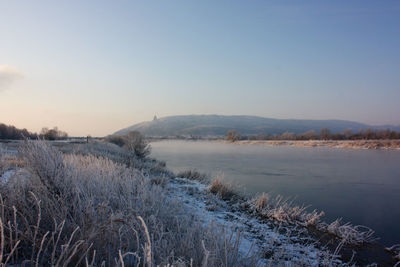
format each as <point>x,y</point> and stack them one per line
<point>53,134</point>
<point>232,136</point>
<point>133,141</point>
<point>136,142</point>
<point>116,139</point>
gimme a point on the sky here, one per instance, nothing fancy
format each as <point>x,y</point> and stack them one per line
<point>94,67</point>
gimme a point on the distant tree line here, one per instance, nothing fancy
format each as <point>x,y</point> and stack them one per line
<point>12,133</point>
<point>326,134</point>
<point>53,134</point>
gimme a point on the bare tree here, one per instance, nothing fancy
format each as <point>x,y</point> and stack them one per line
<point>310,135</point>
<point>232,135</point>
<point>347,133</point>
<point>325,134</point>
<point>137,143</point>
<point>53,134</point>
<point>288,136</point>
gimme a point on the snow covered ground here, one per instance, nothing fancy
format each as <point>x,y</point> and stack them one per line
<point>279,245</point>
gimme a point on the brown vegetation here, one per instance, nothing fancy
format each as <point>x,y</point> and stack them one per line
<point>223,189</point>
<point>353,144</point>
<point>283,211</point>
<point>232,135</point>
<point>326,134</point>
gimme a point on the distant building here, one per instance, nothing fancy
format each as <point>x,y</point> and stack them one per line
<point>155,118</point>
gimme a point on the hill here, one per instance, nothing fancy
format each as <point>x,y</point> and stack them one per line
<point>218,125</point>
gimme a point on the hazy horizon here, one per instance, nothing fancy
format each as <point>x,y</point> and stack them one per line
<point>96,67</point>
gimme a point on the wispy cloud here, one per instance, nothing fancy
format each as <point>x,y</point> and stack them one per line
<point>8,75</point>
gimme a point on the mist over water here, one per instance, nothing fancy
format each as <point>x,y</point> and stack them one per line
<point>361,186</point>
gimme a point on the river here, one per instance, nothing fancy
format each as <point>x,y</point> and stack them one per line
<point>361,186</point>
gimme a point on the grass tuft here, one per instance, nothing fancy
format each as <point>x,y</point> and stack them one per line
<point>285,211</point>
<point>194,175</point>
<point>223,189</point>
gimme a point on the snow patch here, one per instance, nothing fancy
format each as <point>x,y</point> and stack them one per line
<point>279,245</point>
<point>6,176</point>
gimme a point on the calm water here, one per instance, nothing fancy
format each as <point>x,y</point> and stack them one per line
<point>361,186</point>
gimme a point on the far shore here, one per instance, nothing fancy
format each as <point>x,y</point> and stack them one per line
<point>348,144</point>
<point>353,144</point>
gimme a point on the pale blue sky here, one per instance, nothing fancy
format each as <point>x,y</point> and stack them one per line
<point>93,67</point>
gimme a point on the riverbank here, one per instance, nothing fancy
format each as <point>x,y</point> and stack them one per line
<point>351,144</point>
<point>251,232</point>
<point>281,235</point>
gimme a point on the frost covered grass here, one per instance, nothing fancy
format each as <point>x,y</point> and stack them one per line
<point>284,211</point>
<point>117,154</point>
<point>88,210</point>
<point>1,159</point>
<point>224,189</point>
<point>395,250</point>
<point>348,233</point>
<point>8,161</point>
<point>280,245</point>
<point>194,175</point>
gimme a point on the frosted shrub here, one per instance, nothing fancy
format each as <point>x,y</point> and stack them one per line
<point>119,155</point>
<point>133,141</point>
<point>137,143</point>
